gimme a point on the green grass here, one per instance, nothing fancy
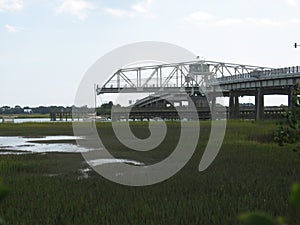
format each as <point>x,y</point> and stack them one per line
<point>250,173</point>
<point>36,129</point>
<point>24,115</point>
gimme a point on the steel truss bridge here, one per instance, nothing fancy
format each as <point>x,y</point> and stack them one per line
<point>207,78</point>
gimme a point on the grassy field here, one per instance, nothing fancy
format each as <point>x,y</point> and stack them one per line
<point>250,173</point>
<point>26,115</point>
<point>35,129</point>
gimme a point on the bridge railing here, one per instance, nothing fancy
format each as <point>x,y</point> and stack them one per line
<point>258,74</point>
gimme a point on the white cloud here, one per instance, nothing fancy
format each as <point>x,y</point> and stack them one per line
<point>230,21</point>
<point>199,17</point>
<point>264,21</point>
<point>248,21</point>
<point>12,29</point>
<point>78,8</point>
<point>295,21</point>
<point>119,12</point>
<point>11,5</point>
<point>205,18</point>
<point>142,7</point>
<point>292,3</point>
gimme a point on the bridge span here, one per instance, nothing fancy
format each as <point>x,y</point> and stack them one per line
<point>207,78</point>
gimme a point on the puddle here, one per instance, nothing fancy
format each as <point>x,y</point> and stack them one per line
<point>99,162</point>
<point>22,144</point>
<point>84,173</point>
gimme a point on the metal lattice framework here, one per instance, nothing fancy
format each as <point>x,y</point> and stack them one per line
<point>168,77</point>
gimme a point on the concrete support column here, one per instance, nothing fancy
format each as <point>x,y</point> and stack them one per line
<point>291,98</point>
<point>236,106</point>
<point>231,105</point>
<point>213,106</point>
<point>259,104</point>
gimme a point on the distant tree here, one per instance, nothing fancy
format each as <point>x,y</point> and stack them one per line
<point>108,105</point>
<point>105,108</point>
<point>17,110</point>
<point>5,110</point>
<point>41,110</point>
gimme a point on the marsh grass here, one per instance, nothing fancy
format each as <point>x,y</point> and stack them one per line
<point>249,174</point>
<point>35,129</point>
<point>24,116</point>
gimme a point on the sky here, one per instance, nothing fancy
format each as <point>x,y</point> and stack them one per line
<point>46,46</point>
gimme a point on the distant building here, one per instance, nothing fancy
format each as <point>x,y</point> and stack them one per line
<point>29,111</point>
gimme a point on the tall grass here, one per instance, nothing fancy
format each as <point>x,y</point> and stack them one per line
<point>251,173</point>
<point>36,129</point>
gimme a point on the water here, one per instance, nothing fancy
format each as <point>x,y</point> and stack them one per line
<point>16,144</point>
<point>22,145</point>
<point>98,162</point>
<point>38,120</point>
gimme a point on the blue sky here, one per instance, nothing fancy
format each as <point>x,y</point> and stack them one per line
<point>47,46</point>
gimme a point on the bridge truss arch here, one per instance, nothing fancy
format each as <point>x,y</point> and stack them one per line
<point>193,76</point>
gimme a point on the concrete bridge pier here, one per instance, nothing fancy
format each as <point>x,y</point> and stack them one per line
<point>234,105</point>
<point>213,106</point>
<point>291,98</point>
<point>259,104</point>
<point>231,105</point>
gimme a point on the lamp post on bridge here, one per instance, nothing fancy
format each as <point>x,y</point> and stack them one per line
<point>291,96</point>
